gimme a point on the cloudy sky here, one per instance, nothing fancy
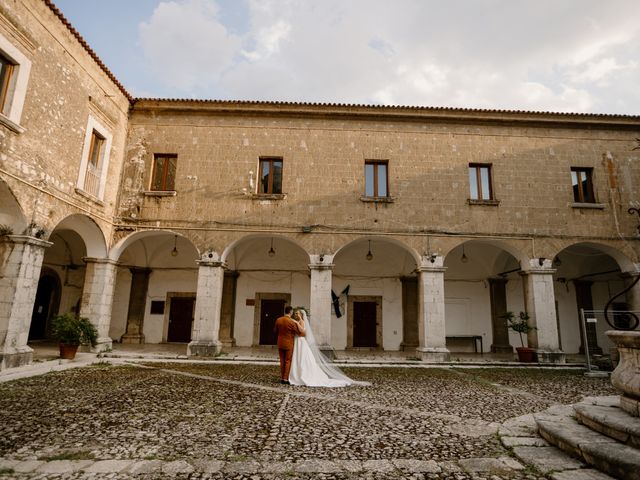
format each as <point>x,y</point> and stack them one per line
<point>551,55</point>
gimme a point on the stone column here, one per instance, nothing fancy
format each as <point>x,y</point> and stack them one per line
<point>228,309</point>
<point>431,318</point>
<point>320,301</point>
<point>498,297</point>
<point>20,263</point>
<point>409,313</point>
<point>97,297</point>
<point>206,323</point>
<point>137,305</point>
<point>541,307</point>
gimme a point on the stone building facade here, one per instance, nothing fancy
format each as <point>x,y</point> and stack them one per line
<point>400,228</point>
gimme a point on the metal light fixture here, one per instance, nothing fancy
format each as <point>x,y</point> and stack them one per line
<point>271,252</point>
<point>464,258</point>
<point>174,252</point>
<point>369,254</point>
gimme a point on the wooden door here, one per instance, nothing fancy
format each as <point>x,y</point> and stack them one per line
<point>270,310</point>
<point>364,324</point>
<point>180,319</point>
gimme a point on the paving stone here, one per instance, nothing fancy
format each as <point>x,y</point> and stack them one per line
<point>109,466</point>
<point>351,466</point>
<point>510,442</point>
<point>246,467</point>
<point>483,465</point>
<point>207,466</point>
<point>8,464</point>
<point>27,466</point>
<point>141,467</point>
<point>382,466</point>
<point>546,459</point>
<point>316,466</point>
<point>419,466</point>
<point>177,467</point>
<point>511,463</point>
<point>582,474</point>
<point>473,428</point>
<point>63,466</point>
<point>450,467</point>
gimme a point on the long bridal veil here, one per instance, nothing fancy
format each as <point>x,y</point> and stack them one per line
<point>331,370</point>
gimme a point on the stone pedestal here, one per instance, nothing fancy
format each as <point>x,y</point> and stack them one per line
<point>320,302</point>
<point>431,319</point>
<point>626,376</point>
<point>22,259</point>
<point>205,340</point>
<point>541,307</point>
<point>97,298</point>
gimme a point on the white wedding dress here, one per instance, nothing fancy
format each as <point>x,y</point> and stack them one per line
<point>310,368</point>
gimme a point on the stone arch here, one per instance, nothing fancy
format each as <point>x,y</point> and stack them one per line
<point>382,239</point>
<point>587,275</point>
<point>88,230</point>
<point>515,248</point>
<point>169,239</point>
<point>482,282</point>
<point>265,273</point>
<point>11,214</point>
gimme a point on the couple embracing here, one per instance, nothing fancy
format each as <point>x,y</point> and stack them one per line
<point>301,361</point>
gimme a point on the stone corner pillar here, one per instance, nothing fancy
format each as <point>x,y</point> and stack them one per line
<point>205,340</point>
<point>320,302</point>
<point>540,304</point>
<point>97,298</point>
<point>21,260</point>
<point>137,305</point>
<point>431,316</point>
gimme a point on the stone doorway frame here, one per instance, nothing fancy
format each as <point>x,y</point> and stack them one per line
<point>364,298</point>
<point>167,311</point>
<point>257,312</point>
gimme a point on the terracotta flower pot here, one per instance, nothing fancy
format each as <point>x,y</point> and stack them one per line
<point>526,355</point>
<point>68,352</point>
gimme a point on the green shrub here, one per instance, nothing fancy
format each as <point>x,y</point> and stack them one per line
<point>74,330</point>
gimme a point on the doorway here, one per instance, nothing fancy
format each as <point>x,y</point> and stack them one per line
<point>180,319</point>
<point>364,324</point>
<point>45,306</point>
<point>268,308</point>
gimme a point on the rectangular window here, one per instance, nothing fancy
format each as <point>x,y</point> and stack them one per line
<point>164,172</point>
<point>6,72</point>
<point>581,180</point>
<point>480,181</point>
<point>94,166</point>
<point>270,181</point>
<point>376,178</point>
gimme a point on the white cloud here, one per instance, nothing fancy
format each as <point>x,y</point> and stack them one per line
<point>575,55</point>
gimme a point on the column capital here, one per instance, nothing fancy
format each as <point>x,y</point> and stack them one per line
<point>497,279</point>
<point>321,266</point>
<point>538,271</point>
<point>108,261</point>
<point>26,239</point>
<point>211,263</point>
<point>429,269</point>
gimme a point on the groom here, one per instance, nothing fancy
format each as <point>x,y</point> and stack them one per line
<point>287,329</point>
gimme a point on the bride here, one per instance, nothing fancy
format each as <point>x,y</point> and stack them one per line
<point>309,367</point>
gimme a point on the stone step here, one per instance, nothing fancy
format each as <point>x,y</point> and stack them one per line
<point>600,451</point>
<point>611,421</point>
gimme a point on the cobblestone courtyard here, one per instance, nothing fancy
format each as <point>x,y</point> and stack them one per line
<point>185,420</point>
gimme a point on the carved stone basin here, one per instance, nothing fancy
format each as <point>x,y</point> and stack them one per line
<point>626,376</point>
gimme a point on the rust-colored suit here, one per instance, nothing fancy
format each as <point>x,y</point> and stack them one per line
<point>287,329</point>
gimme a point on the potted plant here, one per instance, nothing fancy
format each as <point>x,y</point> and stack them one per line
<point>521,325</point>
<point>71,331</point>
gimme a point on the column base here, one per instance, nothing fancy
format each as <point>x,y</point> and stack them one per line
<point>132,338</point>
<point>436,355</point>
<point>328,351</point>
<point>16,357</point>
<point>228,342</point>
<point>204,349</point>
<point>501,349</point>
<point>104,344</point>
<point>546,356</point>
<point>408,347</point>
